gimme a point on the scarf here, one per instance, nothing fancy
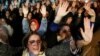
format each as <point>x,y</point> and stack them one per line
<point>26,53</point>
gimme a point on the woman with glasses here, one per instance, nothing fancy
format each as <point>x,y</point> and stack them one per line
<point>35,45</point>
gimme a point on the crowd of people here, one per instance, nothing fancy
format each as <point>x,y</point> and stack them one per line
<point>47,28</point>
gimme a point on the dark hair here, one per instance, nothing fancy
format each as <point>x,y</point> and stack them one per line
<point>26,38</point>
<point>64,31</point>
<point>62,25</point>
<point>29,13</point>
<point>63,21</point>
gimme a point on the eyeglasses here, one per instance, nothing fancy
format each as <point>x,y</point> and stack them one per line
<point>35,41</point>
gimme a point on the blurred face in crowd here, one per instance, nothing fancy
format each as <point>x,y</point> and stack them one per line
<point>80,10</point>
<point>38,5</point>
<point>31,9</point>
<point>65,32</point>
<point>11,7</point>
<point>7,13</point>
<point>20,10</point>
<point>33,26</point>
<point>74,10</point>
<point>1,7</point>
<point>61,1</point>
<point>2,21</point>
<point>95,4</point>
<point>34,43</point>
<point>27,4</point>
<point>73,3</point>
<point>69,20</point>
<point>29,16</point>
<point>53,5</point>
<point>47,2</point>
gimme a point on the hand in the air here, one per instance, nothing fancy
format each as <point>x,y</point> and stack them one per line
<point>87,34</point>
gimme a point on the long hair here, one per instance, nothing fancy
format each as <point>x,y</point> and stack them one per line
<point>26,38</point>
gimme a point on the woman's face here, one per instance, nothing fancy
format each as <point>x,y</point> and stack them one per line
<point>65,31</point>
<point>29,15</point>
<point>33,26</point>
<point>69,20</point>
<point>38,5</point>
<point>53,5</point>
<point>80,10</point>
<point>20,10</point>
<point>11,7</point>
<point>47,2</point>
<point>74,4</point>
<point>34,43</point>
<point>95,4</point>
<point>7,14</point>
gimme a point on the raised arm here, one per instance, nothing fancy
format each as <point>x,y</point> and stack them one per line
<point>90,11</point>
<point>62,12</point>
<point>25,10</point>
<point>87,34</point>
<point>43,25</point>
<point>43,11</point>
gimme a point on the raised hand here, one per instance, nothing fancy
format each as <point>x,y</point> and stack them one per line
<point>62,9</point>
<point>87,34</point>
<point>90,11</point>
<point>25,10</point>
<point>62,12</point>
<point>87,6</point>
<point>43,10</point>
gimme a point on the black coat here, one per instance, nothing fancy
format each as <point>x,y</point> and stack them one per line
<point>63,49</point>
<point>6,50</point>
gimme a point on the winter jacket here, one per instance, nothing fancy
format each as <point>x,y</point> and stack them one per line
<point>6,50</point>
